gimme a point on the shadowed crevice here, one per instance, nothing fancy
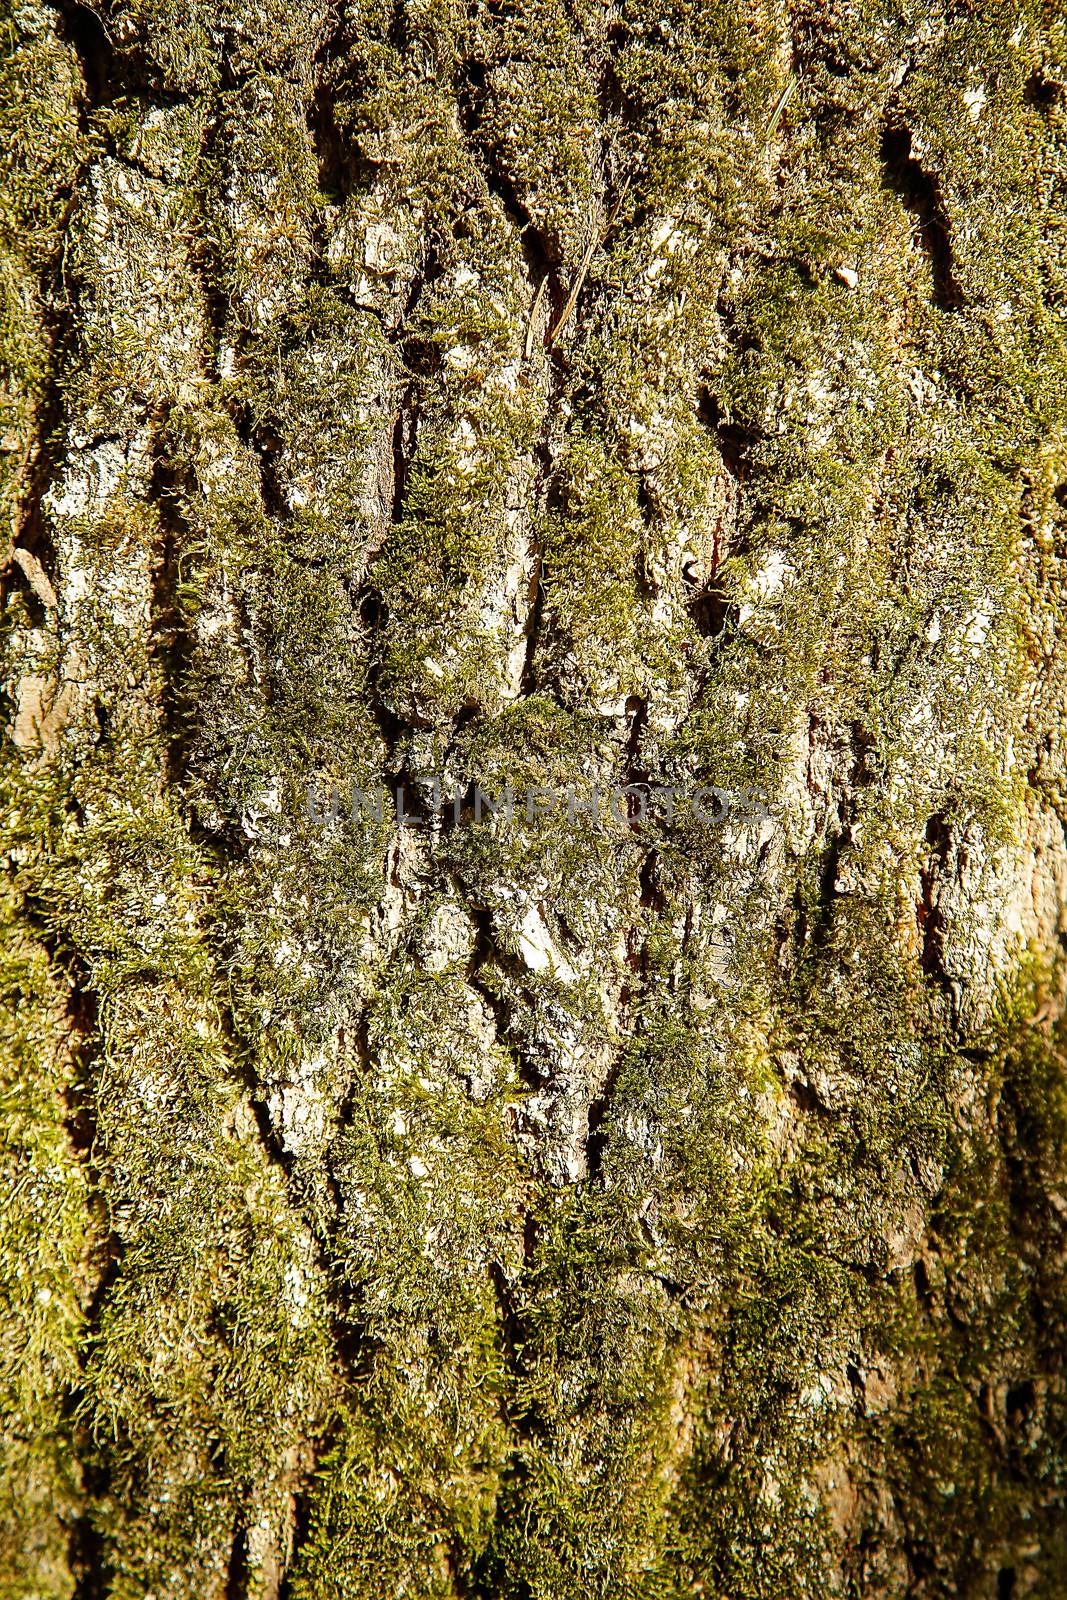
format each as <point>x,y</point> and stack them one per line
<point>920,193</point>
<point>80,26</point>
<point>600,1123</point>
<point>89,1566</point>
<point>237,1571</point>
<point>404,444</point>
<point>735,441</point>
<point>487,955</point>
<point>540,252</point>
<point>1042,93</point>
<point>928,914</point>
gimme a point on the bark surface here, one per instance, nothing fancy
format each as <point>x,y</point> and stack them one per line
<point>568,395</point>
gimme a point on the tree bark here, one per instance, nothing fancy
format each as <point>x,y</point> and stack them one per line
<point>657,1187</point>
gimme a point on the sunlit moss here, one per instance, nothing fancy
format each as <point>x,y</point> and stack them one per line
<point>527,1207</point>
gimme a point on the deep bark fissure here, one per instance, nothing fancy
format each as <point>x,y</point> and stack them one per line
<point>82,27</point>
<point>541,496</point>
<point>487,954</point>
<point>928,914</point>
<point>237,1571</point>
<point>920,193</point>
<point>404,444</point>
<point>90,1568</point>
<point>542,258</point>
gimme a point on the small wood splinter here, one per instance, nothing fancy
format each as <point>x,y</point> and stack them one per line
<point>783,100</point>
<point>594,242</point>
<point>532,324</point>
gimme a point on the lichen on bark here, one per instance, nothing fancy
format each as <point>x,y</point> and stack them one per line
<point>570,397</point>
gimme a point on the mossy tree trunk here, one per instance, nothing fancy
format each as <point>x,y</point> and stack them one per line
<point>567,395</point>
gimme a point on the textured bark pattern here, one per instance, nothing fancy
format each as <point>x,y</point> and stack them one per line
<point>564,394</point>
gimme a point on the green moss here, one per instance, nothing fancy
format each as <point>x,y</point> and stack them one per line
<point>533,1209</point>
<point>973,1339</point>
<point>44,1262</point>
